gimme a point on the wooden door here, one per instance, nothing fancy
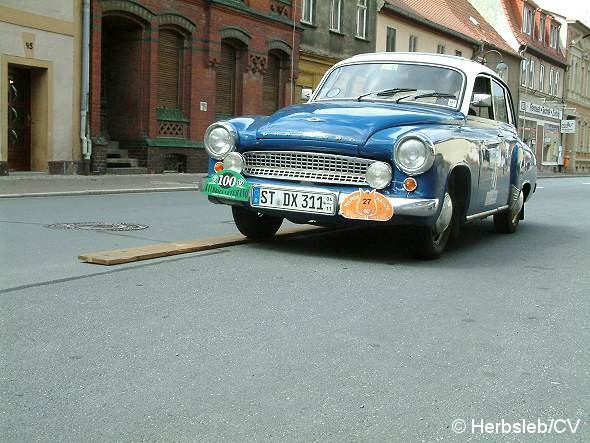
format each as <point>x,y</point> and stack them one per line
<point>19,119</point>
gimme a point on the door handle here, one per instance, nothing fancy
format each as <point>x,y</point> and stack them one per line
<point>501,135</point>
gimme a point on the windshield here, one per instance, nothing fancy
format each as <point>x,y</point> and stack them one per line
<point>392,81</point>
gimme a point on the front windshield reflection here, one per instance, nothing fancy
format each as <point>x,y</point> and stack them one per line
<point>368,81</point>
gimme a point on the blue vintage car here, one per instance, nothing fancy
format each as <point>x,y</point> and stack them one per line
<point>388,138</point>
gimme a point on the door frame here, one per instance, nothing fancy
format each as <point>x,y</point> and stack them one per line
<point>41,109</point>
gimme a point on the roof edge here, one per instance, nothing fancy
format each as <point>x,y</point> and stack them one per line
<point>542,55</point>
<point>424,21</point>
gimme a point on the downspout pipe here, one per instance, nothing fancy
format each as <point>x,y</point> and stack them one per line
<point>85,87</point>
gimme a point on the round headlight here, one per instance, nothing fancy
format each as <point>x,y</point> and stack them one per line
<point>378,175</point>
<point>234,162</point>
<point>414,154</point>
<point>220,138</point>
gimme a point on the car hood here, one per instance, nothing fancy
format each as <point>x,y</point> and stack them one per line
<point>348,122</point>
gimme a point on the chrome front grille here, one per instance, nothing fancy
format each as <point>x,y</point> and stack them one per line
<point>306,166</point>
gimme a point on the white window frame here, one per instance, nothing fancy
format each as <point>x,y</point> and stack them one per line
<point>551,71</point>
<point>413,43</point>
<point>524,72</point>
<point>308,7</point>
<point>542,77</point>
<point>387,33</point>
<point>531,81</point>
<point>441,49</point>
<point>527,20</point>
<point>543,22</point>
<point>556,79</point>
<point>335,15</point>
<point>554,36</point>
<point>361,18</point>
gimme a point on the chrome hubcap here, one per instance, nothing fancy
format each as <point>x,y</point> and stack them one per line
<point>446,214</point>
<point>517,208</point>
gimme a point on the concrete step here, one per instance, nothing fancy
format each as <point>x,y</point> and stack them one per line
<point>113,144</point>
<point>126,171</point>
<point>122,162</point>
<point>117,151</point>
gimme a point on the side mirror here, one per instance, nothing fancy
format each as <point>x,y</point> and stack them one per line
<point>306,93</point>
<point>481,100</point>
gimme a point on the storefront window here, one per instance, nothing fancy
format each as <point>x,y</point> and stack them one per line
<point>529,132</point>
<point>551,143</point>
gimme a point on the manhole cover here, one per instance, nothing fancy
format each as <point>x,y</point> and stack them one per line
<point>99,226</point>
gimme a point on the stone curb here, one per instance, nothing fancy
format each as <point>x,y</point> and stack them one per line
<point>100,192</point>
<point>563,176</point>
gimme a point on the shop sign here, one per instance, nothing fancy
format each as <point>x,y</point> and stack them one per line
<point>568,126</point>
<point>545,111</point>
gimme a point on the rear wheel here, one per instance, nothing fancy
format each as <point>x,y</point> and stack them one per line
<point>506,222</point>
<point>429,242</point>
<point>255,225</point>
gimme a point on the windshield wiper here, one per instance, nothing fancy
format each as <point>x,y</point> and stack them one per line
<point>385,92</point>
<point>430,94</point>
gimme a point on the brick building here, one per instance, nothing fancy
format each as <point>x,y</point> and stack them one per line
<point>163,70</point>
<point>577,96</point>
<point>534,32</point>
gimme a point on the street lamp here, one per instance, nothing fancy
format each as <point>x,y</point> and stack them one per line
<point>501,67</point>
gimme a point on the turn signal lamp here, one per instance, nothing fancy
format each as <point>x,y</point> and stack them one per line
<point>410,184</point>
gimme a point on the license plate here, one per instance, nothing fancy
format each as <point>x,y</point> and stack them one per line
<point>293,200</point>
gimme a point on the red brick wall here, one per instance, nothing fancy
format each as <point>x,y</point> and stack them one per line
<point>136,107</point>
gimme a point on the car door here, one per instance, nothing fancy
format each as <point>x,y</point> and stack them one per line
<point>508,142</point>
<point>490,137</point>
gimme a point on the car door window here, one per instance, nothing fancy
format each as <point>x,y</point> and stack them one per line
<point>481,86</point>
<point>499,101</point>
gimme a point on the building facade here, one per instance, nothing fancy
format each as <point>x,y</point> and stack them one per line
<point>164,70</point>
<point>40,86</point>
<point>534,32</point>
<point>577,97</point>
<point>332,31</point>
<point>446,27</point>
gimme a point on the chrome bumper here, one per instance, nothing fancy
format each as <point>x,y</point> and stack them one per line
<point>423,207</point>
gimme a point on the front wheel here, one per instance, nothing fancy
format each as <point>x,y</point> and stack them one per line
<point>255,225</point>
<point>429,242</point>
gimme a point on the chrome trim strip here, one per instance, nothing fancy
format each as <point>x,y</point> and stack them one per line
<point>487,213</point>
<point>306,166</point>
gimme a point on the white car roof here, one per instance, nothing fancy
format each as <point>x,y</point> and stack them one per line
<point>469,67</point>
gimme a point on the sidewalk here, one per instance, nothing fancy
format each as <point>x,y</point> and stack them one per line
<point>561,175</point>
<point>36,184</point>
<point>43,185</point>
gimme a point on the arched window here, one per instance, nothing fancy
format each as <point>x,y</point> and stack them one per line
<point>169,69</point>
<point>272,85</point>
<point>225,81</point>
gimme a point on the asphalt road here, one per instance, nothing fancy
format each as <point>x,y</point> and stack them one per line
<point>333,337</point>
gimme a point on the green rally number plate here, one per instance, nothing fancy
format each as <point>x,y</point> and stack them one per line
<point>227,184</point>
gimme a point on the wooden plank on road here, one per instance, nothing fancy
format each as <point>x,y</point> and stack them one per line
<point>128,255</point>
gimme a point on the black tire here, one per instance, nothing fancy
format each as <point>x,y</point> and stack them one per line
<point>427,244</point>
<point>255,225</point>
<point>506,222</point>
